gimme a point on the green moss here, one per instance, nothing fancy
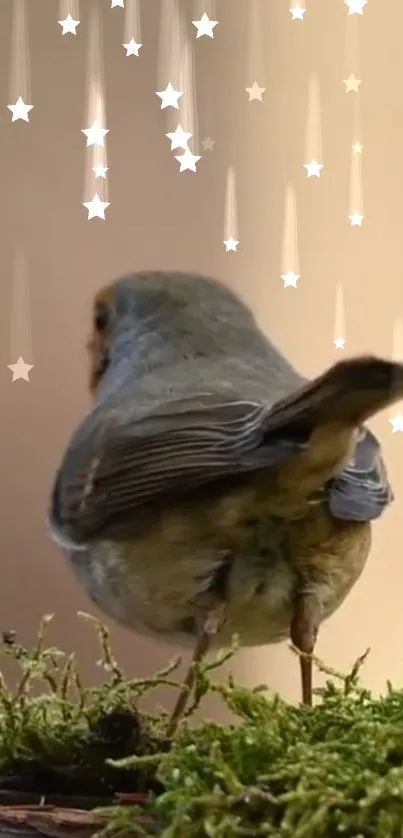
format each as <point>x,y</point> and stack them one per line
<point>283,771</point>
<point>289,772</point>
<point>58,742</point>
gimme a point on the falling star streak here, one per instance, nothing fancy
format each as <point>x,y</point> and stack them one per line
<point>230,240</point>
<point>95,192</point>
<point>356,201</point>
<point>352,56</point>
<point>176,66</point>
<point>357,146</point>
<point>69,16</point>
<point>313,164</point>
<point>132,28</point>
<point>20,104</point>
<point>339,319</point>
<point>289,256</point>
<point>255,64</point>
<point>20,339</point>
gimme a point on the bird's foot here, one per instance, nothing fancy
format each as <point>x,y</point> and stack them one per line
<point>304,630</point>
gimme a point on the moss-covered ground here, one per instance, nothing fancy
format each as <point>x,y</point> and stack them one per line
<point>279,770</point>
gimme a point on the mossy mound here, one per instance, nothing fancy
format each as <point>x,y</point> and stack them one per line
<point>282,771</point>
<point>289,772</point>
<point>57,743</point>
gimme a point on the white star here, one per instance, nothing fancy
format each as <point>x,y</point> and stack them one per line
<point>179,138</point>
<point>132,48</point>
<point>357,148</point>
<point>20,110</point>
<point>205,26</point>
<point>397,423</point>
<point>95,134</point>
<point>187,160</point>
<point>255,92</point>
<point>115,3</point>
<point>20,370</point>
<point>96,208</point>
<point>208,145</point>
<point>100,170</point>
<point>313,169</point>
<point>339,343</point>
<point>356,7</point>
<point>290,279</point>
<point>69,25</point>
<point>297,12</point>
<point>169,97</point>
<point>356,219</point>
<point>352,83</point>
<point>231,244</point>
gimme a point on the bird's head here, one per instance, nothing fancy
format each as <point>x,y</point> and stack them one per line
<point>158,318</point>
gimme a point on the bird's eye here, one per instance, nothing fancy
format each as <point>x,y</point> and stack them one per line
<point>101,317</point>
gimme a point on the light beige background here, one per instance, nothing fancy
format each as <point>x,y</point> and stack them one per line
<point>161,219</point>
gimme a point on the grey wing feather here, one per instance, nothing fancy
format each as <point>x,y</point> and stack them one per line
<point>362,492</point>
<point>111,470</point>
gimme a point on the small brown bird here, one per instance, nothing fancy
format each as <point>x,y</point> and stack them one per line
<point>211,490</point>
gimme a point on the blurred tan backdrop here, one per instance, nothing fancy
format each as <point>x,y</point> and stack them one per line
<point>162,219</point>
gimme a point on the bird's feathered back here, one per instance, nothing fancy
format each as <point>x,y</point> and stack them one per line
<point>199,332</point>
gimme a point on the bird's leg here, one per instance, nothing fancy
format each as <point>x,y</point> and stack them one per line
<point>209,628</point>
<point>304,630</point>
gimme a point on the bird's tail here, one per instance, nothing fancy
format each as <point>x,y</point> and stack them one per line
<point>349,392</point>
<point>328,413</point>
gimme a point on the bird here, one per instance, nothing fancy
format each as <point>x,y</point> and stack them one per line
<point>211,489</point>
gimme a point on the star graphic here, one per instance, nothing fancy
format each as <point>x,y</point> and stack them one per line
<point>187,160</point>
<point>115,3</point>
<point>352,83</point>
<point>339,343</point>
<point>179,138</point>
<point>205,26</point>
<point>20,370</point>
<point>20,110</point>
<point>313,169</point>
<point>356,219</point>
<point>132,48</point>
<point>96,208</point>
<point>69,25</point>
<point>357,148</point>
<point>208,145</point>
<point>297,12</point>
<point>95,134</point>
<point>397,423</point>
<point>290,279</point>
<point>100,170</point>
<point>255,92</point>
<point>231,244</point>
<point>169,97</point>
<point>356,7</point>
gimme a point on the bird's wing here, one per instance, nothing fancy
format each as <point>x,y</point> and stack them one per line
<point>362,491</point>
<point>117,466</point>
<point>112,468</point>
